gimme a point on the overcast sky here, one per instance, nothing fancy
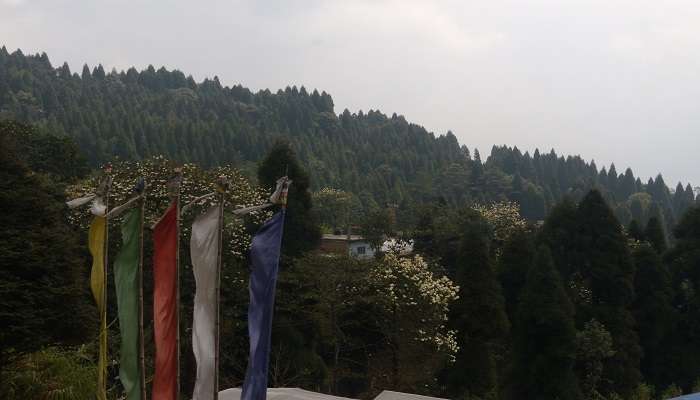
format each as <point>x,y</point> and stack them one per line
<point>614,81</point>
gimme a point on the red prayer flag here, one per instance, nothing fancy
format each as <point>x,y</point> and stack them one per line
<point>165,313</point>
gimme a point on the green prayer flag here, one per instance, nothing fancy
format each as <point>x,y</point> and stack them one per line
<point>126,279</point>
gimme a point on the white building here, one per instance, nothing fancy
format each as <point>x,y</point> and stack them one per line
<point>352,245</point>
<point>356,246</point>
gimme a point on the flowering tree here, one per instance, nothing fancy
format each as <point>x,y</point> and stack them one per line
<point>413,305</point>
<point>503,217</point>
<point>196,182</point>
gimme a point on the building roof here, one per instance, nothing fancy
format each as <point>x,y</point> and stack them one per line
<point>301,394</point>
<point>391,395</point>
<point>353,238</point>
<point>695,396</point>
<point>281,394</point>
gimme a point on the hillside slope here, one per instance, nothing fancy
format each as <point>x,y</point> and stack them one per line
<point>136,114</point>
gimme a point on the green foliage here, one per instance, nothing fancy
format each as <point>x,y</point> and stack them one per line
<point>413,304</point>
<point>324,298</point>
<point>544,337</point>
<point>672,391</point>
<point>136,115</point>
<point>654,313</point>
<point>301,232</point>
<point>607,269</point>
<point>634,231</point>
<point>594,345</point>
<point>480,340</point>
<point>56,157</point>
<point>52,373</point>
<point>355,328</point>
<point>655,234</point>
<point>43,290</point>
<point>684,263</point>
<point>643,392</point>
<point>590,250</point>
<point>336,209</point>
<point>342,326</point>
<point>513,265</point>
<point>376,226</point>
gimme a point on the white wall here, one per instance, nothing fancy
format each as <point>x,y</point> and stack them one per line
<point>355,249</point>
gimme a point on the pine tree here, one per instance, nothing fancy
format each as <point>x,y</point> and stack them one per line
<point>544,337</point>
<point>634,231</point>
<point>301,232</point>
<point>684,262</point>
<point>480,340</point>
<point>627,185</point>
<point>559,234</point>
<point>655,234</point>
<point>606,268</point>
<point>655,315</point>
<point>513,265</point>
<point>43,287</point>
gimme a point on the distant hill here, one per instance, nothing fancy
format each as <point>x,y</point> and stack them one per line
<point>382,159</point>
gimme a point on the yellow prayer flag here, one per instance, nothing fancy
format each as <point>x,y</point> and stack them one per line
<point>96,240</point>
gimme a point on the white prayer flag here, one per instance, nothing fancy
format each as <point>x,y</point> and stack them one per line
<point>204,250</point>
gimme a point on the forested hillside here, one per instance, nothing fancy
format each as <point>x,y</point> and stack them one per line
<point>136,114</point>
<point>578,307</point>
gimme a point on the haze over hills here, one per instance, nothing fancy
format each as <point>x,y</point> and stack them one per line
<point>383,159</point>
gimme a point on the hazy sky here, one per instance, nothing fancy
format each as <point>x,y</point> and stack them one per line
<point>609,80</point>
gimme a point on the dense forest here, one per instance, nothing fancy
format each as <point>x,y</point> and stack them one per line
<point>578,308</point>
<point>134,115</point>
<point>533,275</point>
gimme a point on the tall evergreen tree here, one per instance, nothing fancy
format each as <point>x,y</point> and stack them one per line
<point>43,287</point>
<point>513,265</point>
<point>559,234</point>
<point>655,315</point>
<point>607,271</point>
<point>684,261</point>
<point>635,231</point>
<point>544,337</point>
<point>480,340</point>
<point>655,234</point>
<point>588,246</point>
<point>301,232</point>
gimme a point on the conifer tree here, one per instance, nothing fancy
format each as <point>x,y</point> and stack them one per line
<point>301,232</point>
<point>684,262</point>
<point>627,185</point>
<point>43,287</point>
<point>544,337</point>
<point>606,269</point>
<point>559,234</point>
<point>634,231</point>
<point>591,251</point>
<point>655,234</point>
<point>654,314</point>
<point>513,265</point>
<point>480,340</point>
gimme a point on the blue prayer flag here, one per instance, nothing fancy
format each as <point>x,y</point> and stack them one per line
<point>264,261</point>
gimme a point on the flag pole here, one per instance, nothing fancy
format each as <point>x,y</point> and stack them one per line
<point>221,188</point>
<point>177,279</point>
<point>142,357</point>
